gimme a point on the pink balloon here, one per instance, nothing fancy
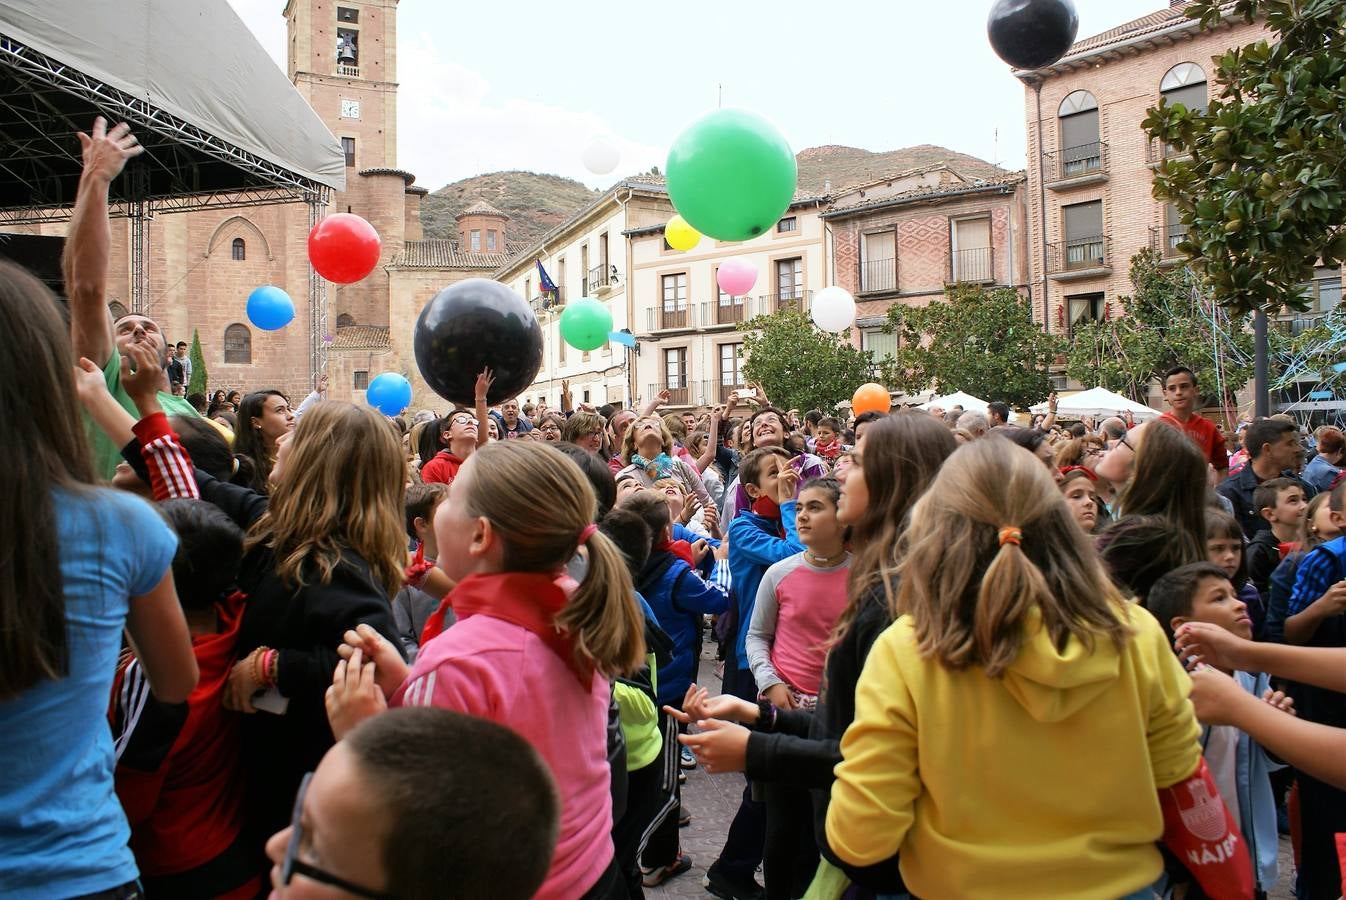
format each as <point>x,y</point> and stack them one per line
<point>736,276</point>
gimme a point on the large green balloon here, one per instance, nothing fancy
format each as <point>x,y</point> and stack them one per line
<point>731,175</point>
<point>585,324</point>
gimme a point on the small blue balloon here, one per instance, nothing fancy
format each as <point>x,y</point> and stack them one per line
<point>389,393</point>
<point>621,337</point>
<point>270,308</point>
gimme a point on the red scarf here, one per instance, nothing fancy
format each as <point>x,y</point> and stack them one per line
<point>681,549</point>
<point>767,508</point>
<point>527,599</point>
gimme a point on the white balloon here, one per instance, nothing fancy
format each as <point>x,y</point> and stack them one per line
<point>833,309</point>
<point>600,157</point>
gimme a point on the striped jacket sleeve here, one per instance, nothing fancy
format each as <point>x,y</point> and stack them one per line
<point>171,476</point>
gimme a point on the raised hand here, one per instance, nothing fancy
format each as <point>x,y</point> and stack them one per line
<point>483,386</point>
<point>141,375</point>
<point>390,669</point>
<point>90,385</point>
<point>354,694</point>
<point>786,484</point>
<point>697,704</point>
<point>105,152</point>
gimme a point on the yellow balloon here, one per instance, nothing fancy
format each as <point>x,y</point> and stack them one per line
<point>680,235</point>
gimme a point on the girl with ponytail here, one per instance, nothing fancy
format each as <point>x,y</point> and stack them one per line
<point>1015,670</point>
<point>532,648</point>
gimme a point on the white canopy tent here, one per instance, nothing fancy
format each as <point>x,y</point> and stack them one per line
<point>1098,403</point>
<point>957,398</point>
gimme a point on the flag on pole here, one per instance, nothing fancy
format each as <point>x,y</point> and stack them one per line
<point>545,285</point>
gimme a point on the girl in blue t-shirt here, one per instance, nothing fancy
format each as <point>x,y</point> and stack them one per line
<point>82,563</point>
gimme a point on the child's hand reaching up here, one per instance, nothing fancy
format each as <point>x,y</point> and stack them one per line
<point>354,696</point>
<point>390,669</point>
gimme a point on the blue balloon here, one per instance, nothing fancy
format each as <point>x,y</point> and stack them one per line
<point>270,308</point>
<point>389,393</point>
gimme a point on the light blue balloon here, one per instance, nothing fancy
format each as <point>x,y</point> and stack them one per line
<point>389,393</point>
<point>270,308</point>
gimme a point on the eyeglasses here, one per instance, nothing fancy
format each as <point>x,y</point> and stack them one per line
<point>294,865</point>
<point>462,420</point>
<point>549,426</point>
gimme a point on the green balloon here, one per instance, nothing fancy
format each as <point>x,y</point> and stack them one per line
<point>731,175</point>
<point>585,324</point>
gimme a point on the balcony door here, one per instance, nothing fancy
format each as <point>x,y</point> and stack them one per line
<point>972,261</point>
<point>675,375</point>
<point>789,282</point>
<point>731,369</point>
<point>1083,226</point>
<point>1080,148</point>
<point>674,310</point>
<point>878,261</point>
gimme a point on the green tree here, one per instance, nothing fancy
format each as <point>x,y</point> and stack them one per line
<point>1260,187</point>
<point>1170,320</point>
<point>799,366</point>
<point>197,383</point>
<point>982,342</point>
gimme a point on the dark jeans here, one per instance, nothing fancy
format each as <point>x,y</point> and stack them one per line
<point>791,853</point>
<point>609,885</point>
<point>742,851</point>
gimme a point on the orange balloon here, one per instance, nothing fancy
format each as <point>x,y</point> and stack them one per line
<point>871,398</point>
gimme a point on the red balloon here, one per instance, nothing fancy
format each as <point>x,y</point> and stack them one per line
<point>871,398</point>
<point>344,248</point>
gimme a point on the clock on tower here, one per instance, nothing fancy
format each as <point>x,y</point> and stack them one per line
<point>350,109</point>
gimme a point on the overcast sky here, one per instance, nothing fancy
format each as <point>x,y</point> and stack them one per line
<point>528,84</point>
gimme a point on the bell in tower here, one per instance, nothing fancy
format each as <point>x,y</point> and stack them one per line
<point>346,54</point>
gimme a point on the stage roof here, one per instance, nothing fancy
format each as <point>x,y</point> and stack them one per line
<point>221,123</point>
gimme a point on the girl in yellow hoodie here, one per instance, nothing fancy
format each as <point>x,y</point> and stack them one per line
<point>1019,727</point>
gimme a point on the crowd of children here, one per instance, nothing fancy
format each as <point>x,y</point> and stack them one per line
<point>332,653</point>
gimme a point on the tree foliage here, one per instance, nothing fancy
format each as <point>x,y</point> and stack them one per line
<point>1260,191</point>
<point>799,366</point>
<point>1170,320</point>
<point>197,383</point>
<point>982,342</point>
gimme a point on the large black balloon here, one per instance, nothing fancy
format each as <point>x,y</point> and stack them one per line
<point>1031,34</point>
<point>472,325</point>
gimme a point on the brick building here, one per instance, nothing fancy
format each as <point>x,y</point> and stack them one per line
<point>1091,167</point>
<point>906,238</point>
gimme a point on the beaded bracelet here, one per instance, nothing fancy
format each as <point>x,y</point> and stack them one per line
<point>258,666</point>
<point>271,667</point>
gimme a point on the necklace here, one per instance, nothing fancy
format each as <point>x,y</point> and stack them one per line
<point>824,562</point>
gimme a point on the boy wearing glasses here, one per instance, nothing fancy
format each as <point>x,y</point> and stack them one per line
<point>384,817</point>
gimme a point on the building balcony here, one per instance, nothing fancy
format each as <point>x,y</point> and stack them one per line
<point>600,280</point>
<point>1165,240</point>
<point>348,71</point>
<point>679,391</point>
<point>727,312</point>
<point>1079,258</point>
<point>796,299</point>
<point>878,276</point>
<point>671,318</point>
<point>974,265</point>
<point>1295,325</point>
<point>1157,152</point>
<point>1075,166</point>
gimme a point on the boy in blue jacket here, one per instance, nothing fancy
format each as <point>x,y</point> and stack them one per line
<point>679,599</point>
<point>758,537</point>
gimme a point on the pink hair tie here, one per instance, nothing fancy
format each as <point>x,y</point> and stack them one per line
<point>587,532</point>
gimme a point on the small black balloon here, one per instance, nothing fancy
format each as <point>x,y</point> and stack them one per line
<point>472,325</point>
<point>1031,34</point>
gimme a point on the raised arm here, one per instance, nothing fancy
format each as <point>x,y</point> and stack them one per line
<point>482,388</point>
<point>85,261</point>
<point>657,401</point>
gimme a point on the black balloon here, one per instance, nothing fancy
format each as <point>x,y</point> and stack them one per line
<point>472,325</point>
<point>1031,34</point>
